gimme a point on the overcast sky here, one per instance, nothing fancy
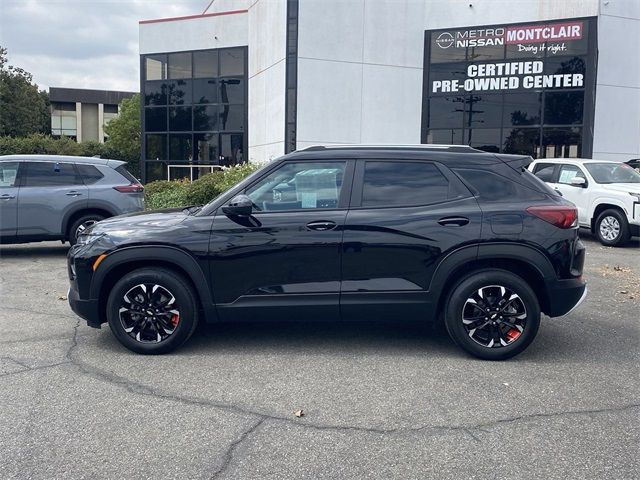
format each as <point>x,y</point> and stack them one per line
<point>82,43</point>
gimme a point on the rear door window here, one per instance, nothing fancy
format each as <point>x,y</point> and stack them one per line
<point>395,184</point>
<point>545,171</point>
<point>51,174</point>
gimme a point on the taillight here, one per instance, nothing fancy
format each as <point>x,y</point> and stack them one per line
<point>562,216</point>
<point>131,188</point>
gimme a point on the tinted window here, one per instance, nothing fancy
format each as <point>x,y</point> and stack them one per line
<point>126,174</point>
<point>389,184</point>
<point>544,171</point>
<point>490,186</point>
<point>89,173</point>
<point>155,119</point>
<point>8,174</point>
<point>296,186</point>
<point>51,174</point>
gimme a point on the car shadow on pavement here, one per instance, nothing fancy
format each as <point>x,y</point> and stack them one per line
<point>33,250</point>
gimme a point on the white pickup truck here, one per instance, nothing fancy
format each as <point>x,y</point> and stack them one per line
<point>606,193</point>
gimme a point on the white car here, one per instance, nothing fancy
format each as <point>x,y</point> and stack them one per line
<point>606,193</point>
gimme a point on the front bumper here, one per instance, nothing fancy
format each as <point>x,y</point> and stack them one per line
<point>565,296</point>
<point>86,309</point>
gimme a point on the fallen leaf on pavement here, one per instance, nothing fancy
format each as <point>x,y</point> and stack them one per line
<point>62,297</point>
<point>298,413</point>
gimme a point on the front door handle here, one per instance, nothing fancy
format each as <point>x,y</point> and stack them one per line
<point>6,196</point>
<point>73,193</point>
<point>453,221</point>
<point>321,226</point>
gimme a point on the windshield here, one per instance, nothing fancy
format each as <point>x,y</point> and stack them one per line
<point>613,173</point>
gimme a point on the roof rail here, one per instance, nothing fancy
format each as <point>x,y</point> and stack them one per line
<point>421,147</point>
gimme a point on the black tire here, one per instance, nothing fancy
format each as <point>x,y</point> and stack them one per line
<point>523,312</point>
<point>609,223</point>
<point>83,221</point>
<point>141,337</point>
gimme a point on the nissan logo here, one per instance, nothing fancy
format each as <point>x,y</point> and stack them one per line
<point>444,40</point>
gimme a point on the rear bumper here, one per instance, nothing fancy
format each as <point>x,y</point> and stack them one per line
<point>86,309</point>
<point>565,295</point>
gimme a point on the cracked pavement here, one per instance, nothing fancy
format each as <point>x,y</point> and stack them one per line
<point>380,400</point>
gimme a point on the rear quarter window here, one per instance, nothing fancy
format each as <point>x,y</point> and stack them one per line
<point>126,174</point>
<point>491,187</point>
<point>89,173</point>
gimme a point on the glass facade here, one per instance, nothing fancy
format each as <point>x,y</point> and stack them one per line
<point>194,111</point>
<point>64,119</point>
<point>517,88</point>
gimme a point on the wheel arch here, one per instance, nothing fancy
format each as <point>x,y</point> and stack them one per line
<point>525,261</point>
<point>121,262</point>
<point>601,207</point>
<point>76,213</point>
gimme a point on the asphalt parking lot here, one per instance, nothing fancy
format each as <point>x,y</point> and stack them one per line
<point>380,401</point>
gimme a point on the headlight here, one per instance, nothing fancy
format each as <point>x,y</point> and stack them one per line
<point>87,238</point>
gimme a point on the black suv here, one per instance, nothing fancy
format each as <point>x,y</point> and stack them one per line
<point>350,233</point>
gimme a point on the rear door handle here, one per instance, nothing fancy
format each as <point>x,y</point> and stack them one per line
<point>6,196</point>
<point>321,226</point>
<point>73,193</point>
<point>453,221</point>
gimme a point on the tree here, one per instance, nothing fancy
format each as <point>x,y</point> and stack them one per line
<point>123,142</point>
<point>24,109</point>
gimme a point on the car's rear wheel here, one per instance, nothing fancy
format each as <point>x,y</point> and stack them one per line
<point>152,311</point>
<point>81,224</point>
<point>612,228</point>
<point>492,314</point>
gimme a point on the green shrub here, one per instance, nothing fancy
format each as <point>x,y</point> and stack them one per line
<point>181,193</point>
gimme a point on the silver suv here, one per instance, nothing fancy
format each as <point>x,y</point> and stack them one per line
<point>51,197</point>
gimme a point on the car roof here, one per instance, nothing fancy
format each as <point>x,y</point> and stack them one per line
<point>62,158</point>
<point>454,155</point>
<point>575,160</point>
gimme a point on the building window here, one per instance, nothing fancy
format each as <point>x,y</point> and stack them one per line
<point>195,111</point>
<point>63,119</point>
<point>538,109</point>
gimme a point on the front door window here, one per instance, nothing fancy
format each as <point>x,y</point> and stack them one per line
<point>299,186</point>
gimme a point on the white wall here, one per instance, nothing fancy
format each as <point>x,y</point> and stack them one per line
<point>616,133</point>
<point>267,49</point>
<point>360,64</point>
<point>194,33</point>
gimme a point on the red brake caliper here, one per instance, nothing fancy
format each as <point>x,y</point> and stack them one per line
<point>513,334</point>
<point>175,318</point>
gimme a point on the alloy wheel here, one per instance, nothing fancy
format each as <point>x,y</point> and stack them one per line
<point>83,226</point>
<point>149,313</point>
<point>609,228</point>
<point>494,316</point>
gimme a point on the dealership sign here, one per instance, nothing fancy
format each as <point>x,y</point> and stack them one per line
<point>528,40</point>
<point>507,76</point>
<point>486,37</point>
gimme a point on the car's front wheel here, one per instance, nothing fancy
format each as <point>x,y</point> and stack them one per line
<point>152,311</point>
<point>612,228</point>
<point>492,314</point>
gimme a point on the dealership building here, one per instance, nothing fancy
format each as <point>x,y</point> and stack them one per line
<point>250,80</point>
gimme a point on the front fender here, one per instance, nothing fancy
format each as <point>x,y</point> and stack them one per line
<point>159,253</point>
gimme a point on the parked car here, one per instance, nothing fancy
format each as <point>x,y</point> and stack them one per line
<point>51,197</point>
<point>606,193</point>
<point>351,233</point>
<point>634,163</point>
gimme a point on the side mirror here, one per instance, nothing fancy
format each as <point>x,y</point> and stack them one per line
<point>579,182</point>
<point>240,205</point>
